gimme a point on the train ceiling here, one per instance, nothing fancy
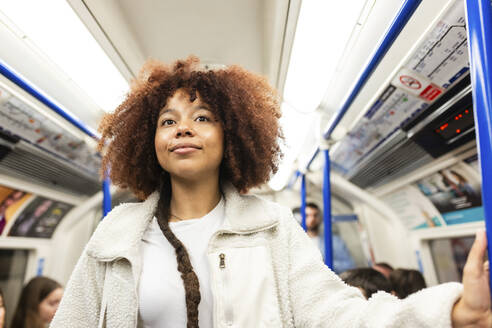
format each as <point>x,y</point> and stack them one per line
<point>250,33</point>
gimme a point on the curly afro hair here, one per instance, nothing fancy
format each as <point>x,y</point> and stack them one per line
<point>245,104</point>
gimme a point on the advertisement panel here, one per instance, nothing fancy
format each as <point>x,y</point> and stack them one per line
<point>456,194</point>
<point>447,197</point>
<point>39,218</point>
<point>10,202</point>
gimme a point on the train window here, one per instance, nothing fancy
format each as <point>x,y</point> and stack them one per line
<point>449,257</point>
<point>347,246</point>
<point>13,264</point>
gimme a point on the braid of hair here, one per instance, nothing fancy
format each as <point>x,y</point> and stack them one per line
<point>190,280</point>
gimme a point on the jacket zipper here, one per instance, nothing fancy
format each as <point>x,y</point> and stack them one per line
<point>214,276</point>
<point>228,313</point>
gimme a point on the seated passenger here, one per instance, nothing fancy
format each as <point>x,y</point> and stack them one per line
<point>199,251</point>
<point>342,260</point>
<point>368,280</point>
<point>406,282</point>
<point>313,223</point>
<point>384,268</point>
<point>37,304</point>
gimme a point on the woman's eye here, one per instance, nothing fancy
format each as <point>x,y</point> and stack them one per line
<point>167,122</point>
<point>202,119</point>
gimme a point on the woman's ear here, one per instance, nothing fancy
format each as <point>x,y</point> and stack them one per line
<point>393,293</point>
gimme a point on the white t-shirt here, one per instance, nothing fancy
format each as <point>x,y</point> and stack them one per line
<point>161,291</point>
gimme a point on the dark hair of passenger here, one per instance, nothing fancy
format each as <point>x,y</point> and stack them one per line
<point>248,109</point>
<point>312,205</point>
<point>26,314</point>
<point>368,279</point>
<point>406,282</point>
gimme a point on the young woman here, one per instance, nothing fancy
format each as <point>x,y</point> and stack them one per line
<point>38,303</point>
<point>198,251</point>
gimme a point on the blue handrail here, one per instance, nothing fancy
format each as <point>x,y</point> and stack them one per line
<point>10,74</point>
<point>327,212</point>
<point>312,158</point>
<point>293,180</point>
<point>303,201</point>
<point>479,29</point>
<point>26,86</point>
<point>385,43</point>
<point>400,20</point>
<point>106,196</point>
<point>396,26</point>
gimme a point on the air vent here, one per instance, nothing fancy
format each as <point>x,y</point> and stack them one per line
<point>26,162</point>
<point>395,158</point>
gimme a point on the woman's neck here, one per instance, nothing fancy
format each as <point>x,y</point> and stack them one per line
<point>195,199</point>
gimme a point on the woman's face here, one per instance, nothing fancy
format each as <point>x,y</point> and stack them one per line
<point>49,305</point>
<point>189,140</point>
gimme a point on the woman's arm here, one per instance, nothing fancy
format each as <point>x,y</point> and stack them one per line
<point>81,302</point>
<point>320,299</point>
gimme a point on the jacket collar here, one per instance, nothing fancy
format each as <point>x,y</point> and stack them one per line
<point>120,233</point>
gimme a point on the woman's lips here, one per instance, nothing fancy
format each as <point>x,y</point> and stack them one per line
<point>187,146</point>
<point>184,150</point>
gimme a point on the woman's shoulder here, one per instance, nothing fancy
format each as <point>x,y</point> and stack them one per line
<point>126,213</point>
<point>249,212</point>
<point>265,205</point>
<point>121,215</point>
<point>123,227</point>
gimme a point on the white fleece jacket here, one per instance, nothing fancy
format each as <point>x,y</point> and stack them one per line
<point>265,273</point>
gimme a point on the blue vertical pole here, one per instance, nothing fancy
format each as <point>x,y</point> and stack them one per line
<point>327,211</point>
<point>303,201</point>
<point>479,29</point>
<point>106,196</point>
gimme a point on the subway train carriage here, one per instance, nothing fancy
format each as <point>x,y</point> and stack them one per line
<point>365,123</point>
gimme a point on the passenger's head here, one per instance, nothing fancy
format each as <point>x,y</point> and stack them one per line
<point>367,280</point>
<point>406,282</point>
<point>38,303</point>
<point>227,116</point>
<point>2,310</point>
<point>313,219</point>
<point>384,268</point>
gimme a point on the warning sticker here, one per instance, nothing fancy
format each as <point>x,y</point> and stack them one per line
<point>417,85</point>
<point>431,92</point>
<point>410,82</point>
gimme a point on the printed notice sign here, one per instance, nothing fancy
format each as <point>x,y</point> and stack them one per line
<point>439,62</point>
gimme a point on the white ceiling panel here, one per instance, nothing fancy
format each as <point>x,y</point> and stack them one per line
<point>245,32</point>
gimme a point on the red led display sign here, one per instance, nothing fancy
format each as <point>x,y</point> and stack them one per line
<point>456,125</point>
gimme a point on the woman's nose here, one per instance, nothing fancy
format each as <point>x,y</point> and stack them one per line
<point>184,130</point>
